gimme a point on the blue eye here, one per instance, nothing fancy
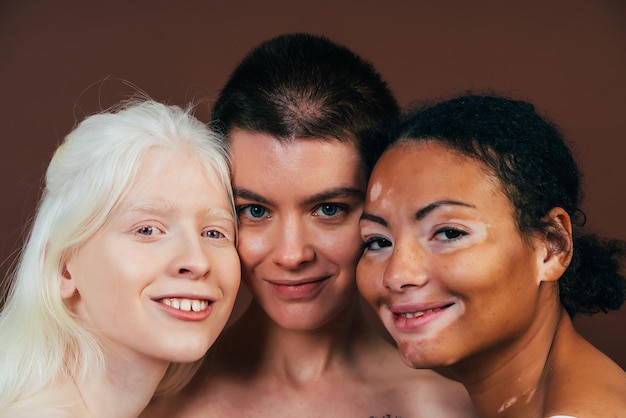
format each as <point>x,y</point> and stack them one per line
<point>328,209</point>
<point>213,234</point>
<point>253,211</point>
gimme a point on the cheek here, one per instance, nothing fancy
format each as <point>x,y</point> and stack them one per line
<point>229,271</point>
<point>343,246</point>
<point>253,247</point>
<point>368,279</point>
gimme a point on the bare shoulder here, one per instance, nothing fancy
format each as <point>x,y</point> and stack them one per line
<point>56,402</point>
<point>589,385</point>
<point>423,391</point>
<point>222,382</point>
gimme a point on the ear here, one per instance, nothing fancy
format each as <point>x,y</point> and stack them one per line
<point>555,246</point>
<point>68,283</point>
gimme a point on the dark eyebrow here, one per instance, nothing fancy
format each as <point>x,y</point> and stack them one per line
<point>421,214</point>
<point>373,218</point>
<point>249,195</point>
<point>333,194</point>
<point>320,197</point>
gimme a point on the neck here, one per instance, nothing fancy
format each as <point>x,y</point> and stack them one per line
<point>506,382</point>
<point>298,356</point>
<point>123,389</point>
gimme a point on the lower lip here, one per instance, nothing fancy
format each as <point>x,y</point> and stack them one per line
<point>301,291</point>
<point>404,323</point>
<point>187,315</point>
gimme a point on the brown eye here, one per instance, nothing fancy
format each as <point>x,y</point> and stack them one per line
<point>449,234</point>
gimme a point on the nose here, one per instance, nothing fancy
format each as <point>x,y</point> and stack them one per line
<point>192,260</point>
<point>407,268</point>
<point>293,246</point>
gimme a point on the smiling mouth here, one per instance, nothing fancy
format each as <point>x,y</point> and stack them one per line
<point>187,305</point>
<point>300,284</point>
<point>411,315</point>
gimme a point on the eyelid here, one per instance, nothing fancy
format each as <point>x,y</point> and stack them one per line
<point>376,239</point>
<point>455,230</point>
<point>144,225</point>
<point>341,208</point>
<point>240,209</point>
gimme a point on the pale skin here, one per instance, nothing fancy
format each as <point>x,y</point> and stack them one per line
<point>172,237</point>
<point>458,286</point>
<point>304,346</point>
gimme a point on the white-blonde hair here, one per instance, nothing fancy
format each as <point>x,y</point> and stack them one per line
<point>41,341</point>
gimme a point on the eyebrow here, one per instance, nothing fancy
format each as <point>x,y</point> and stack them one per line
<point>335,193</point>
<point>420,214</point>
<point>423,212</point>
<point>163,208</point>
<point>325,195</point>
<point>249,195</point>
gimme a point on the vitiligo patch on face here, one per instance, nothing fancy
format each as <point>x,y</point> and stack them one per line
<point>375,191</point>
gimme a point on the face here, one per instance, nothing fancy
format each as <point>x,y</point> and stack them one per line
<point>159,279</point>
<point>445,265</point>
<point>299,204</point>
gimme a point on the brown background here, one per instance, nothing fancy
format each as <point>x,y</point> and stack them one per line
<point>60,60</point>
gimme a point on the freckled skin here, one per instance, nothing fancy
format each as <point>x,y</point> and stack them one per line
<point>442,235</point>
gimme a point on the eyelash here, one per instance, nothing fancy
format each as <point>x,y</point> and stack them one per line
<point>247,208</point>
<point>151,229</point>
<point>147,231</point>
<point>367,245</point>
<point>458,234</point>
<point>338,207</point>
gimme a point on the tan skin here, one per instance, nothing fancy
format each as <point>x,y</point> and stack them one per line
<point>458,286</point>
<point>304,346</point>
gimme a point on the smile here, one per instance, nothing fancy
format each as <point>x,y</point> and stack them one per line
<point>411,315</point>
<point>304,289</point>
<point>187,305</point>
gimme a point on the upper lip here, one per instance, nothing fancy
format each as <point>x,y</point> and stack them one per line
<point>184,296</point>
<point>297,282</point>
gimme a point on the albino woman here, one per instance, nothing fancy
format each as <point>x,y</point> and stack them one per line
<point>130,271</point>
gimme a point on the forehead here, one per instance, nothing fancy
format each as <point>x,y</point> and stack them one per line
<point>428,170</point>
<point>261,161</point>
<point>169,174</point>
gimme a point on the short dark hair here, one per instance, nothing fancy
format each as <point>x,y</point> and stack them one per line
<point>535,166</point>
<point>306,86</point>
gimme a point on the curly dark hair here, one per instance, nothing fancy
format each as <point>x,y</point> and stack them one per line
<point>306,86</point>
<point>535,166</point>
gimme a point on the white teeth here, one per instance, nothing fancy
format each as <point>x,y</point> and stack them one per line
<point>411,315</point>
<point>186,304</point>
<point>195,305</point>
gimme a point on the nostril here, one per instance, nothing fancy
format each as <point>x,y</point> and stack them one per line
<point>184,271</point>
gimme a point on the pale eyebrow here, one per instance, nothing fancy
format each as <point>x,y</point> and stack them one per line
<point>150,206</point>
<point>163,208</point>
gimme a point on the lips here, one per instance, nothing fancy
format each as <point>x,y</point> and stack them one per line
<point>300,289</point>
<point>184,304</point>
<point>186,308</point>
<point>415,316</point>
